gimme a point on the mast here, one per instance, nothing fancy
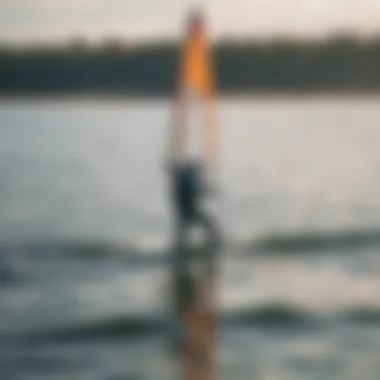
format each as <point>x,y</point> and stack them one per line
<point>196,284</point>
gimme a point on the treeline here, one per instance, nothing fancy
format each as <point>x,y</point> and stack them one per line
<point>335,64</point>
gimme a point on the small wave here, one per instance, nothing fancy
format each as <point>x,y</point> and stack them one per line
<point>125,328</point>
<point>274,316</point>
<point>310,242</point>
<point>287,317</point>
<point>113,328</point>
<point>270,318</point>
<point>8,277</point>
<point>81,250</point>
<point>10,271</point>
<point>307,242</point>
<point>362,316</point>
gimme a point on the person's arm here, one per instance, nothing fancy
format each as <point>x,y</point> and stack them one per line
<point>177,132</point>
<point>211,134</point>
<point>211,147</point>
<point>177,129</point>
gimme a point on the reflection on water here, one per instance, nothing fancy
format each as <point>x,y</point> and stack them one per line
<point>85,223</point>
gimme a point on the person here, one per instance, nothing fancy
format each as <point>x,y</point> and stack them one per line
<point>193,171</point>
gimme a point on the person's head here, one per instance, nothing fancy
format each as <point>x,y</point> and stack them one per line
<point>196,24</point>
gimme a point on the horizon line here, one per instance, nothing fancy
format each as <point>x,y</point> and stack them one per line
<point>123,40</point>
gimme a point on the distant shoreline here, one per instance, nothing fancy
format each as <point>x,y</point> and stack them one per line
<point>339,66</point>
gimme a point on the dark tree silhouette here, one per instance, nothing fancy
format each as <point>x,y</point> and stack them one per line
<point>341,63</point>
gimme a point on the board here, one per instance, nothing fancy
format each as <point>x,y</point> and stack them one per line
<point>197,315</point>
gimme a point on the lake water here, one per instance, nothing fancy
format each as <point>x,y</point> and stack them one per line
<point>85,236</point>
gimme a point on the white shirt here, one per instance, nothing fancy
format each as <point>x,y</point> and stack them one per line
<point>193,128</point>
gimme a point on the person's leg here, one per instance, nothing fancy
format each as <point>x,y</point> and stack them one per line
<point>211,229</point>
<point>182,287</point>
<point>187,194</point>
<point>180,249</point>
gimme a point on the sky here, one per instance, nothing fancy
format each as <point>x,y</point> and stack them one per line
<point>56,20</point>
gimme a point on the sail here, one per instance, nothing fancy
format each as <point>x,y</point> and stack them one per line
<point>196,66</point>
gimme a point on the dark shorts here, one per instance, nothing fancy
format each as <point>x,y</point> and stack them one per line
<point>187,190</point>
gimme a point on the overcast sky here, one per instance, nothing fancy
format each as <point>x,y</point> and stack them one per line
<point>47,20</point>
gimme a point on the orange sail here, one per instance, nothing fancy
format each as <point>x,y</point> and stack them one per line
<point>196,67</point>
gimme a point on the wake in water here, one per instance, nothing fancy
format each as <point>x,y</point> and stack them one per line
<point>67,307</point>
<point>301,243</point>
<point>270,318</point>
<point>309,242</point>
